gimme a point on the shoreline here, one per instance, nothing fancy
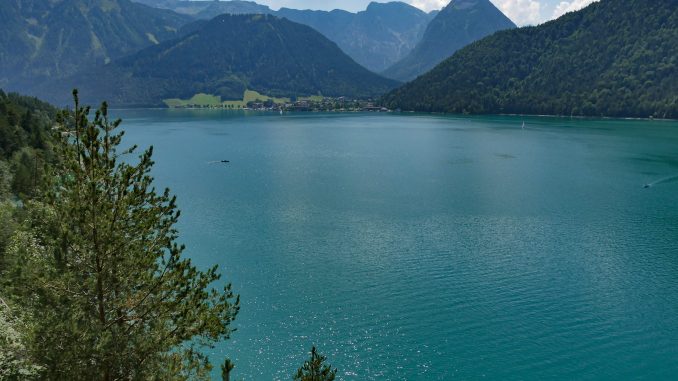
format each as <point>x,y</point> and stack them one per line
<point>392,112</point>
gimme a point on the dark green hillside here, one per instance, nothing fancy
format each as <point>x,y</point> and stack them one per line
<point>50,39</point>
<point>457,25</point>
<point>614,58</point>
<point>273,56</point>
<point>24,121</point>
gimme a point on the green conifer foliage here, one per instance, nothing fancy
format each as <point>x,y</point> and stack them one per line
<point>226,369</point>
<point>315,369</point>
<point>98,263</point>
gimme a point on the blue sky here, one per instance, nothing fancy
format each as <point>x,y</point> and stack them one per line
<point>522,12</point>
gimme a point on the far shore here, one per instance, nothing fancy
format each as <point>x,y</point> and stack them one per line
<point>389,111</point>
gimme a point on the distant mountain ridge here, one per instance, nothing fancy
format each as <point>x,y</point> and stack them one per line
<point>278,58</point>
<point>615,58</point>
<point>52,39</point>
<point>460,23</point>
<point>376,38</point>
<point>207,9</point>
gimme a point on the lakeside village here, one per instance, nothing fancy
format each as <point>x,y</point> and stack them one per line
<point>317,103</point>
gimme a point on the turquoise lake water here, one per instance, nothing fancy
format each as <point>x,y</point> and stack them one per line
<point>411,247</point>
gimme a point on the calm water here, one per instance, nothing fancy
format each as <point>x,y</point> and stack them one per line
<point>433,248</point>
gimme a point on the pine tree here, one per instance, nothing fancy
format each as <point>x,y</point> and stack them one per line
<point>226,369</point>
<point>315,370</point>
<point>98,263</point>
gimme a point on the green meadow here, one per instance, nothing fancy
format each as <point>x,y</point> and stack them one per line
<point>207,100</point>
<point>203,100</point>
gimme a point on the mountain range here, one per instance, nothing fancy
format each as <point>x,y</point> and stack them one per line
<point>395,39</point>
<point>376,38</point>
<point>614,58</point>
<point>207,9</point>
<point>42,39</point>
<point>47,45</point>
<point>460,23</point>
<point>278,58</point>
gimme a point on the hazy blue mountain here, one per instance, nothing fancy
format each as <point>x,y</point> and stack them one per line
<point>278,58</point>
<point>42,39</point>
<point>457,25</point>
<point>207,9</point>
<point>614,58</point>
<point>234,7</point>
<point>376,38</point>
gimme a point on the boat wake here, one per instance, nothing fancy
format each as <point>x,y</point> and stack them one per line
<point>665,180</point>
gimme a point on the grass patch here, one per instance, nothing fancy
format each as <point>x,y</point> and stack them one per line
<point>252,96</point>
<point>197,100</point>
<point>206,100</point>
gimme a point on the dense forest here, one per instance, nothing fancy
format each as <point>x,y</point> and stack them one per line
<point>93,282</point>
<point>615,58</point>
<point>25,143</point>
<point>227,55</point>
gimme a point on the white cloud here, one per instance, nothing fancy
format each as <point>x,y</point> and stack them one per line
<point>570,6</point>
<point>522,12</point>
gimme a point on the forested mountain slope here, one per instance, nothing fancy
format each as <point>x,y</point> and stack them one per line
<point>614,58</point>
<point>278,58</point>
<point>52,39</point>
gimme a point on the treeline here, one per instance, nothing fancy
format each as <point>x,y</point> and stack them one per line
<point>616,58</point>
<point>93,282</point>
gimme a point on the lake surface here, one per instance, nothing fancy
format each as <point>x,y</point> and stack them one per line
<point>411,247</point>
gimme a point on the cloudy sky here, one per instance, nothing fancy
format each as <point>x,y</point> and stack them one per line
<point>522,12</point>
